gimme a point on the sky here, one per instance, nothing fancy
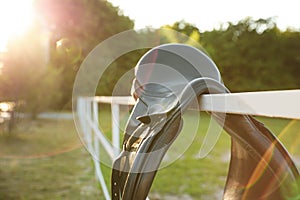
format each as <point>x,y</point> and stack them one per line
<point>209,14</point>
<point>15,17</point>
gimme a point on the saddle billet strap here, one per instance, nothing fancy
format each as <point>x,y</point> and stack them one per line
<point>118,177</point>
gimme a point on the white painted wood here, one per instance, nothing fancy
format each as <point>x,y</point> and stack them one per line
<point>121,100</point>
<point>282,104</point>
<point>115,112</point>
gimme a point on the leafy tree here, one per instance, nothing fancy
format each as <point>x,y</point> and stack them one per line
<point>253,55</point>
<point>25,77</point>
<point>185,28</point>
<point>290,50</point>
<point>76,27</point>
<point>184,32</point>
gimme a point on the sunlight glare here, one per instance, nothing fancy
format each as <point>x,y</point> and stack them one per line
<point>1,66</point>
<point>15,18</point>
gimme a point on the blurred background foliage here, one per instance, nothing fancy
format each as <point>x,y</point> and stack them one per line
<point>252,55</point>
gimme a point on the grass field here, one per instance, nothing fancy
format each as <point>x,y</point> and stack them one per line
<point>46,160</point>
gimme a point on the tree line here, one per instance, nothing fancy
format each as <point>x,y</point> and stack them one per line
<point>251,54</point>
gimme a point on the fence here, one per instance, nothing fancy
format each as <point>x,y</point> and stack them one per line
<point>279,104</point>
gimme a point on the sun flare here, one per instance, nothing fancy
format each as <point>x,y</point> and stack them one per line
<point>15,18</point>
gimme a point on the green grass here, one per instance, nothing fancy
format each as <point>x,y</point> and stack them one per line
<point>39,138</point>
<point>46,161</point>
<point>199,178</point>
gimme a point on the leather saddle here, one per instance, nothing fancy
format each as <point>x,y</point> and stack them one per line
<point>167,79</point>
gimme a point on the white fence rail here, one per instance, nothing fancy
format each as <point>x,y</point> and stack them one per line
<point>280,104</point>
